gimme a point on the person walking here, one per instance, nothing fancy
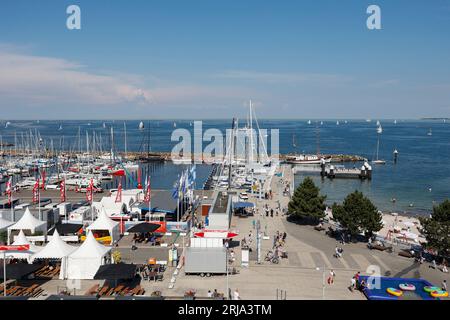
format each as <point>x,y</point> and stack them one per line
<point>444,266</point>
<point>331,277</point>
<point>444,285</point>
<point>236,295</point>
<point>352,284</point>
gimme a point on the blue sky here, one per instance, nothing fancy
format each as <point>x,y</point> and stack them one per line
<point>205,59</point>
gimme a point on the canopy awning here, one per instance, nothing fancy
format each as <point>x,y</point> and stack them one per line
<point>120,271</point>
<point>238,205</point>
<point>144,227</point>
<point>66,228</point>
<point>19,270</point>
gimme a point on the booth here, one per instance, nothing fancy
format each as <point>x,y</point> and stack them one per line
<point>28,222</point>
<point>85,261</point>
<point>104,223</point>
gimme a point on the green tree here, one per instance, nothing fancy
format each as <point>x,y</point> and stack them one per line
<point>307,203</point>
<point>436,229</point>
<point>358,214</point>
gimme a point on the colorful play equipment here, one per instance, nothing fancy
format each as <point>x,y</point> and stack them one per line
<point>431,289</point>
<point>394,292</point>
<point>407,287</point>
<point>439,294</point>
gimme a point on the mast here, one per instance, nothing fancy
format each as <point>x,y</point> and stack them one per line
<point>125,138</point>
<point>251,133</point>
<point>113,156</point>
<point>230,166</point>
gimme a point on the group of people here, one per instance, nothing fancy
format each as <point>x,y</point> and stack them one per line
<point>279,240</point>
<point>357,283</point>
<point>268,195</point>
<point>271,211</point>
<point>215,294</point>
<point>435,266</point>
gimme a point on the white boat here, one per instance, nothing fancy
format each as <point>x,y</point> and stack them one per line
<point>395,121</point>
<point>430,133</point>
<point>141,125</point>
<point>309,121</point>
<point>379,161</point>
<point>337,122</point>
<point>378,123</point>
<point>307,159</point>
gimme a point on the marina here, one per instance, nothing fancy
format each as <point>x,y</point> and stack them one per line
<point>214,159</point>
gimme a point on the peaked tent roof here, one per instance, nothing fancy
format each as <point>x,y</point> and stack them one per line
<point>90,248</point>
<point>27,222</point>
<point>22,240</point>
<point>55,249</point>
<point>103,222</point>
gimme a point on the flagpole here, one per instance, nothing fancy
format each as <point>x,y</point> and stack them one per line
<point>4,273</point>
<point>39,193</point>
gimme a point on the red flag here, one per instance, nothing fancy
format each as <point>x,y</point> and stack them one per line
<point>43,180</point>
<point>90,191</point>
<point>148,192</point>
<point>119,192</point>
<point>9,190</point>
<point>36,191</point>
<point>62,191</point>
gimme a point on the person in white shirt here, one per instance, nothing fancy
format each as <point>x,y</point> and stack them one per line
<point>236,295</point>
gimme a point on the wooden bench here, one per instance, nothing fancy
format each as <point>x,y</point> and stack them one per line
<point>103,290</point>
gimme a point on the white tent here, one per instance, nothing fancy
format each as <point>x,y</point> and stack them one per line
<point>102,223</point>
<point>28,222</point>
<point>84,262</point>
<point>55,249</point>
<point>21,239</point>
<point>5,224</point>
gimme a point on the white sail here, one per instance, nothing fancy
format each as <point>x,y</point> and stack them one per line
<point>379,129</point>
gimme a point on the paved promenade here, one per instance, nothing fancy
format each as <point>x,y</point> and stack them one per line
<point>310,259</point>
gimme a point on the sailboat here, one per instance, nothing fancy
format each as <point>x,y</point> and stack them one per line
<point>395,121</point>
<point>430,133</point>
<point>104,125</point>
<point>321,123</point>
<point>378,123</point>
<point>378,161</point>
<point>309,121</point>
<point>141,125</point>
<point>60,127</point>
<point>337,122</point>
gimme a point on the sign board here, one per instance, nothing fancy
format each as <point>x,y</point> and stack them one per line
<point>24,247</point>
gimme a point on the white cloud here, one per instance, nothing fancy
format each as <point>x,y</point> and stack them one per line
<point>32,80</point>
<point>40,80</point>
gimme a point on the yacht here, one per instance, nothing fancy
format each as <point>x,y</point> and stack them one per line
<point>307,159</point>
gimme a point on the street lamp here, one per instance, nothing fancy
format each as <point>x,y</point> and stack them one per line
<point>226,264</point>
<point>323,281</point>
